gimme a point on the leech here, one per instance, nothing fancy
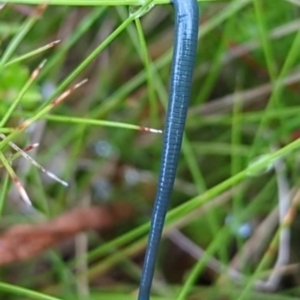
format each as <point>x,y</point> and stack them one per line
<point>184,53</point>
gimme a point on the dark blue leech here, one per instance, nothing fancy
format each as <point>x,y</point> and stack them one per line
<point>184,52</point>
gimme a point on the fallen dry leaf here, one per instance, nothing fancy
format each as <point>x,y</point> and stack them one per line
<point>24,241</point>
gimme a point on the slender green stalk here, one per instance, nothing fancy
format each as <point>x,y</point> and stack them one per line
<point>96,2</point>
<point>30,54</point>
<point>267,47</point>
<point>102,123</point>
<point>15,179</point>
<point>16,290</point>
<point>193,165</point>
<point>290,60</point>
<point>148,67</point>
<point>4,190</point>
<point>15,42</point>
<point>220,240</point>
<point>25,88</point>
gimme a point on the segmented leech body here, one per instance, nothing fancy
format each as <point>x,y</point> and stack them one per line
<point>184,52</point>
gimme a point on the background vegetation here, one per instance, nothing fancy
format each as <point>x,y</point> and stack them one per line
<point>233,225</point>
